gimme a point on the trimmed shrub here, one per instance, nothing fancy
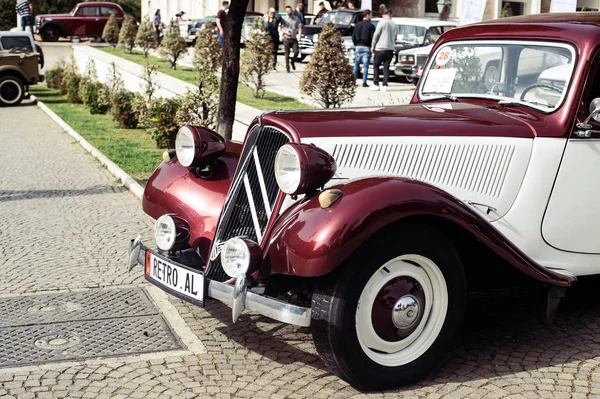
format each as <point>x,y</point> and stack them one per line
<point>173,45</point>
<point>53,77</point>
<point>90,94</point>
<point>111,31</point>
<point>123,111</point>
<point>146,38</point>
<point>328,77</point>
<point>198,109</point>
<point>73,88</point>
<point>162,114</point>
<point>128,33</point>
<point>69,69</point>
<point>257,59</point>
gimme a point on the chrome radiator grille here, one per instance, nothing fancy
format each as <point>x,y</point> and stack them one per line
<point>251,197</point>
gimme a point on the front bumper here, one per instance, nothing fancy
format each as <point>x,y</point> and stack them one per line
<point>406,70</point>
<point>237,296</point>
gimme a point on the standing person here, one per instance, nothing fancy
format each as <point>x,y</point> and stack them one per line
<point>351,5</point>
<point>272,27</point>
<point>299,12</point>
<point>221,20</point>
<point>384,40</point>
<point>290,27</point>
<point>362,37</point>
<point>157,22</point>
<point>322,11</point>
<point>25,10</point>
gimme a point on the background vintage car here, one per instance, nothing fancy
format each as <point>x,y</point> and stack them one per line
<point>370,225</point>
<point>85,20</point>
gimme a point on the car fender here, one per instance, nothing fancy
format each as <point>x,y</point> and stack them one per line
<point>13,71</point>
<point>64,31</point>
<point>309,241</point>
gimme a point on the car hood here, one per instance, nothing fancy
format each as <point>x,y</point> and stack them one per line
<point>418,50</point>
<point>431,119</point>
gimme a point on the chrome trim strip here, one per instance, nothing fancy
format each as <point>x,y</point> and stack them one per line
<point>252,208</point>
<point>261,182</point>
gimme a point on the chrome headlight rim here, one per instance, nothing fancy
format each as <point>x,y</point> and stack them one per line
<point>165,232</point>
<point>283,179</point>
<point>186,146</point>
<point>251,256</point>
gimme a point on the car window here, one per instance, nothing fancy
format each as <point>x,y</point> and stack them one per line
<point>87,11</point>
<point>337,17</point>
<point>434,33</point>
<point>16,42</point>
<point>411,34</point>
<point>108,11</point>
<point>532,74</point>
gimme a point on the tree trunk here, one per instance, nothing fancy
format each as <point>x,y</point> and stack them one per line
<point>231,67</point>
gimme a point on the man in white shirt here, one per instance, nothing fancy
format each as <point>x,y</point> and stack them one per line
<point>384,40</point>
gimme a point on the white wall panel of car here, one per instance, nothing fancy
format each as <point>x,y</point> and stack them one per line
<point>484,170</point>
<point>574,206</point>
<point>522,224</point>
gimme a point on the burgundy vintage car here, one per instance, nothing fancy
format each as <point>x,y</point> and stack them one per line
<point>366,224</point>
<point>85,20</point>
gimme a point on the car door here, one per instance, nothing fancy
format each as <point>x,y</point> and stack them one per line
<point>105,13</point>
<point>84,18</point>
<point>572,219</point>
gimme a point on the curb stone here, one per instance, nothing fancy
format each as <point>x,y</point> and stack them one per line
<point>130,183</point>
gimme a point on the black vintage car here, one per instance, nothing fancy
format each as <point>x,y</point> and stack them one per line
<point>344,19</point>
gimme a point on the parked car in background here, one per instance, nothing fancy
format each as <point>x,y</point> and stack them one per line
<point>85,20</point>
<point>22,41</point>
<point>344,19</point>
<point>247,25</point>
<point>413,33</point>
<point>371,226</point>
<point>18,70</point>
<point>195,26</point>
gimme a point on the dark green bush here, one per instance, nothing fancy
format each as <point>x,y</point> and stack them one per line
<point>91,96</point>
<point>73,89</point>
<point>123,110</point>
<point>162,114</point>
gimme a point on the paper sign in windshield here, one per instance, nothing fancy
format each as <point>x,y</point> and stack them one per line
<point>440,80</point>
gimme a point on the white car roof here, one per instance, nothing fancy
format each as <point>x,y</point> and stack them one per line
<point>426,23</point>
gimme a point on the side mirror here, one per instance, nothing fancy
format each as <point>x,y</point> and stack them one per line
<point>594,113</point>
<point>595,109</point>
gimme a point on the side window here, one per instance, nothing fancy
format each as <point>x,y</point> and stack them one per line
<point>87,11</point>
<point>108,11</point>
<point>16,42</point>
<point>434,33</point>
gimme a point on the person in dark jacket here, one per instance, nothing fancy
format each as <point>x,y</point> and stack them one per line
<point>299,12</point>
<point>322,12</point>
<point>272,27</point>
<point>362,37</point>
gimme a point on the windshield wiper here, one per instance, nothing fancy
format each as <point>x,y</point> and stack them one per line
<point>504,103</point>
<point>445,95</point>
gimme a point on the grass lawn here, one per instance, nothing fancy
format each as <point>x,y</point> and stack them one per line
<point>244,93</point>
<point>133,150</point>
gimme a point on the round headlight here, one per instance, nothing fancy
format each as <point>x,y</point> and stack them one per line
<point>288,169</point>
<point>165,232</point>
<point>315,37</point>
<point>235,257</point>
<point>185,146</point>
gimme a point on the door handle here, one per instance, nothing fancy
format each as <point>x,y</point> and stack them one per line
<point>586,134</point>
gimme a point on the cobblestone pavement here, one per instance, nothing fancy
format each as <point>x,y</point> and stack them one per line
<point>64,223</point>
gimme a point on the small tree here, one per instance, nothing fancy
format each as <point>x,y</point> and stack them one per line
<point>114,83</point>
<point>145,37</point>
<point>257,58</point>
<point>111,31</point>
<point>128,33</point>
<point>506,11</point>
<point>328,77</point>
<point>173,45</point>
<point>200,107</point>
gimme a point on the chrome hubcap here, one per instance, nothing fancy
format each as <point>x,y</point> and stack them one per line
<point>406,312</point>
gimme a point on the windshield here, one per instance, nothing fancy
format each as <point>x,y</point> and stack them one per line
<point>411,34</point>
<point>336,17</point>
<point>529,73</point>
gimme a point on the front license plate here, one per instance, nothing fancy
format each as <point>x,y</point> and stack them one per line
<point>182,282</point>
